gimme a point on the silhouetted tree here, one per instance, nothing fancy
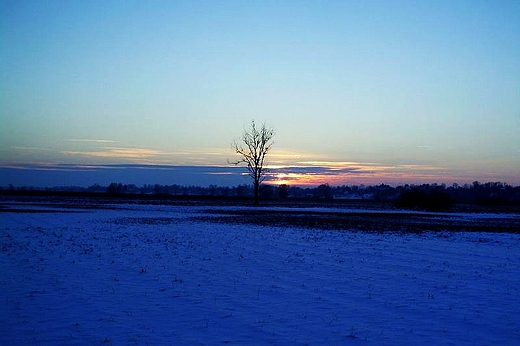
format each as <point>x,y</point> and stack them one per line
<point>115,188</point>
<point>283,191</point>
<point>323,191</point>
<point>253,147</point>
<point>431,200</point>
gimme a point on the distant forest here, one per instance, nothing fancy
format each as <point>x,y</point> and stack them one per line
<point>425,196</point>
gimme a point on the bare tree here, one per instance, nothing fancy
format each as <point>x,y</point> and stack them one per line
<point>253,146</point>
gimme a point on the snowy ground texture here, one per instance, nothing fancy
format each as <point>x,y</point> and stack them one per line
<point>172,275</point>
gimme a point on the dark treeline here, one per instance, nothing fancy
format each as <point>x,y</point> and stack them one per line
<point>425,196</point>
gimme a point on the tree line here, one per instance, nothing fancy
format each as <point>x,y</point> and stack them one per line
<point>256,143</point>
<point>425,196</point>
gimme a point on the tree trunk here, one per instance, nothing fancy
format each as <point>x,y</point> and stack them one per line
<point>257,185</point>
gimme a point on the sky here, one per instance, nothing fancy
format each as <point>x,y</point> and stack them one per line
<point>358,92</point>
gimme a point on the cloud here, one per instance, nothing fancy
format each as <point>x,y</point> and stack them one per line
<point>312,173</point>
<point>50,167</point>
<point>118,153</point>
<point>90,140</point>
<point>96,153</point>
<point>31,148</point>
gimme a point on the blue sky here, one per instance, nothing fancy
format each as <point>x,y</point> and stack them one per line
<point>377,91</point>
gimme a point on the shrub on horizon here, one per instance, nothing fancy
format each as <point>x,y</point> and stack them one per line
<point>435,200</point>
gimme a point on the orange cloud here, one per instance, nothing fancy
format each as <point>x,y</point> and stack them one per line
<point>127,153</point>
<point>312,173</point>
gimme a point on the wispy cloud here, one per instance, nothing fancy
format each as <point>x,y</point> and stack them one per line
<point>90,140</point>
<point>119,153</point>
<point>31,149</point>
<point>286,154</point>
<point>97,153</point>
<point>51,167</point>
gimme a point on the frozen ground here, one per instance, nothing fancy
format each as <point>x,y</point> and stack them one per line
<point>158,275</point>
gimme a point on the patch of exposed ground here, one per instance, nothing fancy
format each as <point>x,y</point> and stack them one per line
<point>366,221</point>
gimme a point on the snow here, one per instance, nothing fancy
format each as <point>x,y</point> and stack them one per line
<point>153,274</point>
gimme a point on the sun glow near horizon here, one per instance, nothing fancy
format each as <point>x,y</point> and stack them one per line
<point>334,173</point>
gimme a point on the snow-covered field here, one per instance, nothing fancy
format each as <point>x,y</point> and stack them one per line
<point>156,274</point>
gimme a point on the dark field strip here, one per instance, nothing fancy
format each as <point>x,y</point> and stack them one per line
<point>364,221</point>
<point>376,217</point>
